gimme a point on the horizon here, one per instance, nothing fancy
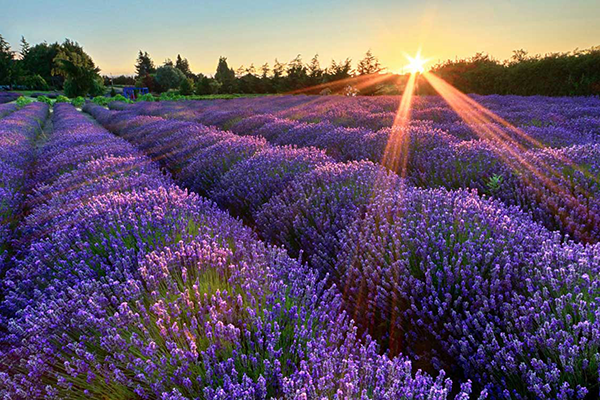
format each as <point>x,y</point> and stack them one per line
<point>204,32</point>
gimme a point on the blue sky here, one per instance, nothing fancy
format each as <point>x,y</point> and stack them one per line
<point>256,32</point>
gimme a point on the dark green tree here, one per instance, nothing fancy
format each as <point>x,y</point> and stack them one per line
<point>278,79</point>
<point>297,76</point>
<point>186,87</point>
<point>169,77</point>
<point>6,63</point>
<point>183,65</point>
<point>25,48</point>
<point>77,67</point>
<point>144,64</point>
<point>39,60</point>
<point>337,71</point>
<point>315,73</point>
<point>369,65</point>
<point>203,86</point>
<point>225,76</point>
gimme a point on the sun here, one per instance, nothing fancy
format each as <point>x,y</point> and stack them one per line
<point>416,64</point>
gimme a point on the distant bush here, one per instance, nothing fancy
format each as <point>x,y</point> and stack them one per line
<point>146,97</point>
<point>23,101</point>
<point>171,96</point>
<point>78,101</point>
<point>101,100</point>
<point>187,87</point>
<point>63,99</point>
<point>45,99</point>
<point>119,97</point>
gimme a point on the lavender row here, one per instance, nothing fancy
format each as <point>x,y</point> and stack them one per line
<point>454,280</point>
<point>558,187</point>
<point>6,109</point>
<point>550,121</point>
<point>7,97</point>
<point>130,285</point>
<point>17,135</point>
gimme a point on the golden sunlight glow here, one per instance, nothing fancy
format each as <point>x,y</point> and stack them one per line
<point>416,64</point>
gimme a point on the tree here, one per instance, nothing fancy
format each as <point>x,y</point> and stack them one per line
<point>203,85</point>
<point>225,76</point>
<point>6,62</point>
<point>297,76</point>
<point>77,67</point>
<point>144,64</point>
<point>25,48</point>
<point>369,65</point>
<point>169,63</point>
<point>337,71</point>
<point>264,70</point>
<point>186,87</point>
<point>183,65</point>
<point>266,85</point>
<point>315,73</point>
<point>148,81</point>
<point>39,60</point>
<point>277,80</point>
<point>169,77</point>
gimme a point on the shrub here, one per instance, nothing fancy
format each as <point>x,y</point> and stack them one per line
<point>187,87</point>
<point>146,97</point>
<point>101,100</point>
<point>78,101</point>
<point>45,99</point>
<point>36,82</point>
<point>63,99</point>
<point>23,101</point>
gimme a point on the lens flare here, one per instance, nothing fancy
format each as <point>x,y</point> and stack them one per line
<point>416,64</point>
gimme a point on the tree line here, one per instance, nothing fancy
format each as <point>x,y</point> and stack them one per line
<point>66,66</point>
<point>280,78</point>
<point>555,74</point>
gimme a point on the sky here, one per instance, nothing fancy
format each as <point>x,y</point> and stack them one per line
<point>113,32</point>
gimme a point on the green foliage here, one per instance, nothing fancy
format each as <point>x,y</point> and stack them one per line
<point>183,65</point>
<point>63,99</point>
<point>171,96</point>
<point>6,62</point>
<point>225,76</point>
<point>495,183</point>
<point>35,82</point>
<point>102,100</point>
<point>121,98</point>
<point>113,92</point>
<point>148,81</point>
<point>23,101</point>
<point>202,86</point>
<point>78,102</point>
<point>144,65</point>
<point>146,97</point>
<point>169,77</point>
<point>45,99</point>
<point>80,73</point>
<point>39,60</point>
<point>558,74</point>
<point>369,65</point>
<point>186,87</point>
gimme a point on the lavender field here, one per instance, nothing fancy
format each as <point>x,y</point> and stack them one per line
<point>301,247</point>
